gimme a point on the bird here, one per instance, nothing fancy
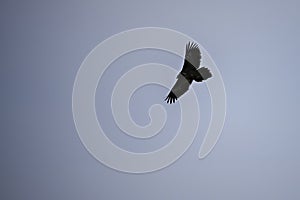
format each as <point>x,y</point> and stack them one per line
<point>191,71</point>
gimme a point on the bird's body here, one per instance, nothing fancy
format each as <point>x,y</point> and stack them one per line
<point>190,72</point>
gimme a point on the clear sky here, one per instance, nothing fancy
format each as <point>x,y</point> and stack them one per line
<point>255,45</point>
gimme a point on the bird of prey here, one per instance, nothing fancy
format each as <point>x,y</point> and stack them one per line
<point>191,71</point>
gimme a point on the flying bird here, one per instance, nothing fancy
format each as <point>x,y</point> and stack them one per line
<point>191,71</point>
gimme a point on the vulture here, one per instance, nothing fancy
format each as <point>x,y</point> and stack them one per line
<point>191,71</point>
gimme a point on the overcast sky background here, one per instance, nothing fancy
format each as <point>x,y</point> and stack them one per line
<point>255,44</point>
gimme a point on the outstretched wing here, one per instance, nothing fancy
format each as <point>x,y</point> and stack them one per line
<point>180,87</point>
<point>192,58</point>
<point>190,72</point>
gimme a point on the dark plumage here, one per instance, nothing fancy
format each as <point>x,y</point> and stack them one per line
<point>190,72</point>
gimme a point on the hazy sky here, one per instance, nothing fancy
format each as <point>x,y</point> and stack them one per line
<point>255,45</point>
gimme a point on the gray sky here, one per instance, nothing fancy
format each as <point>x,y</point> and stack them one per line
<point>254,45</point>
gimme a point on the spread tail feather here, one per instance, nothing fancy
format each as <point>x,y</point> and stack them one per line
<point>204,74</point>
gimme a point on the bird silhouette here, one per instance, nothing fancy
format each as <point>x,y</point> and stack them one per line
<point>191,71</point>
